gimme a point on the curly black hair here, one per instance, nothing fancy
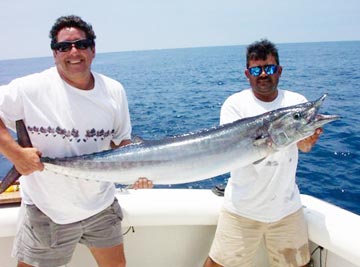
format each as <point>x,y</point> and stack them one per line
<point>260,50</point>
<point>71,21</point>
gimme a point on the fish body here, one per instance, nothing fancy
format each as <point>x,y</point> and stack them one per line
<point>199,155</point>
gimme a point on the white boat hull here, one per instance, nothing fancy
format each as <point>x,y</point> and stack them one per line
<point>175,227</point>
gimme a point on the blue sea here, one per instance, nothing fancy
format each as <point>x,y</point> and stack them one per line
<point>176,91</point>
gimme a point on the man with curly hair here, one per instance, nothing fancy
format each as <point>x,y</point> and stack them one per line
<point>60,107</point>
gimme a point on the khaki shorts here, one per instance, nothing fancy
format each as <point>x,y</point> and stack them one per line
<point>238,238</point>
<point>41,242</point>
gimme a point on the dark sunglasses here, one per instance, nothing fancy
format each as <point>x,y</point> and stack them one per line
<point>257,70</point>
<point>68,45</point>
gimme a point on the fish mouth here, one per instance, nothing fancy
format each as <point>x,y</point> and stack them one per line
<point>321,119</point>
<point>328,118</point>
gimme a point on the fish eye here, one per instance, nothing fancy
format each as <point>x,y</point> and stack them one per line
<point>297,116</point>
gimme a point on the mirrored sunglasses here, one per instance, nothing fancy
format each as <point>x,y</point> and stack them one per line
<point>257,70</point>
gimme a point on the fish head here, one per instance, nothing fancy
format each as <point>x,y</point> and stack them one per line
<point>292,124</point>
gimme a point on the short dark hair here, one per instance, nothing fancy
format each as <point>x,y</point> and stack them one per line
<point>71,21</point>
<point>260,50</point>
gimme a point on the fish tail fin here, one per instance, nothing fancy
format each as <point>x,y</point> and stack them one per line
<point>24,140</point>
<point>22,134</point>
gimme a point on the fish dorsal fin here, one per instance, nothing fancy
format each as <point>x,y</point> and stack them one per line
<point>137,139</point>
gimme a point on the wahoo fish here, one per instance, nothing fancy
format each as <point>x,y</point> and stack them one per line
<point>193,156</point>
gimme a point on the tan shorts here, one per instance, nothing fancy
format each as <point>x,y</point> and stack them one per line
<point>238,238</point>
<point>41,242</point>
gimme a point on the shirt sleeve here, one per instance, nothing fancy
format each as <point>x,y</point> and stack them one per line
<point>11,103</point>
<point>229,112</point>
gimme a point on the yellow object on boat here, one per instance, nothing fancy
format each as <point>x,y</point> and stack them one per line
<point>13,188</point>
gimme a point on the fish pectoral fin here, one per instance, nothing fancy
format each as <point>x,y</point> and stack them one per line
<point>258,161</point>
<point>261,140</point>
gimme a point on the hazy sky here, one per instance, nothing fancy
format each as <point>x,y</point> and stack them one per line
<point>122,25</point>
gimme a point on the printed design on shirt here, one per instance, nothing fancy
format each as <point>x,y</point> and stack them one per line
<point>73,134</point>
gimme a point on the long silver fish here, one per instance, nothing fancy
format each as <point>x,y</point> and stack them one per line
<point>195,156</point>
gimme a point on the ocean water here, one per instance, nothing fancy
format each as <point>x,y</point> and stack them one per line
<point>178,91</point>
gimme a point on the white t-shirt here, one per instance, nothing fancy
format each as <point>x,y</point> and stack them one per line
<point>64,121</point>
<point>265,191</point>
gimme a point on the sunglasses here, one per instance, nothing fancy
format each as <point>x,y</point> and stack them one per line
<point>68,45</point>
<point>257,70</point>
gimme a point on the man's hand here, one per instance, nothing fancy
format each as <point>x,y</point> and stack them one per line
<point>306,144</point>
<point>28,161</point>
<point>143,183</point>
